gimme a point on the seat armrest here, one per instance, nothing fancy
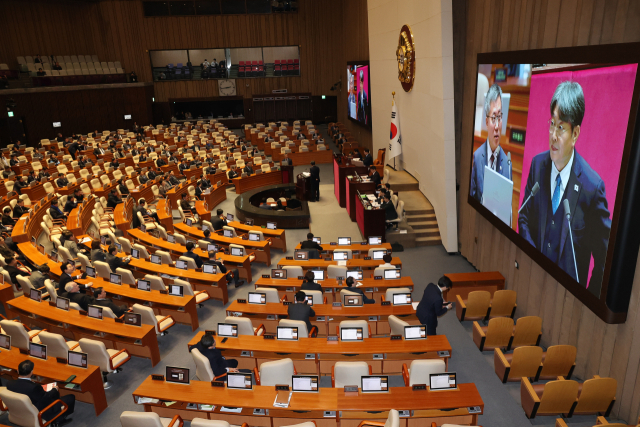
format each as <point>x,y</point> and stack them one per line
<point>461,308</point>
<point>55,402</point>
<point>405,374</point>
<point>529,398</point>
<point>478,335</point>
<point>560,422</point>
<point>36,334</point>
<point>260,330</point>
<point>75,346</point>
<point>283,299</point>
<point>314,332</point>
<point>256,375</point>
<point>124,350</point>
<point>501,365</point>
<point>371,423</point>
<point>176,419</point>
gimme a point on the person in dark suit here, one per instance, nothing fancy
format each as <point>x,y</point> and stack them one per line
<point>490,153</point>
<point>73,148</point>
<point>368,159</point>
<point>97,254</point>
<point>15,271</point>
<point>219,364</point>
<point>432,305</point>
<point>309,243</point>
<point>72,291</point>
<point>70,205</point>
<point>352,288</point>
<point>160,162</point>
<point>40,398</point>
<point>286,161</point>
<point>115,261</point>
<point>19,209</point>
<point>62,182</point>
<point>113,200</point>
<point>232,275</point>
<point>98,151</point>
<point>193,256</point>
<point>39,276</point>
<point>233,173</point>
<point>375,176</point>
<point>66,277</point>
<point>363,101</point>
<point>301,310</point>
<point>315,182</point>
<point>248,169</point>
<point>563,174</point>
<point>6,217</point>
<point>19,184</point>
<point>309,284</point>
<point>390,212</point>
<point>100,298</point>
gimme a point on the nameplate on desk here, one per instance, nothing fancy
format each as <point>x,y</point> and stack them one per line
<point>396,337</point>
<point>132,285</point>
<point>217,384</point>
<point>320,319</point>
<point>289,290</point>
<point>367,258</point>
<point>164,292</point>
<point>82,313</point>
<point>286,302</point>
<point>444,353</point>
<point>282,387</point>
<point>332,338</point>
<point>310,356</point>
<point>118,320</point>
<point>241,301</point>
<point>246,353</point>
<point>364,242</point>
<point>271,317</point>
<point>23,351</point>
<point>61,360</point>
<point>377,277</point>
<point>368,289</point>
<point>336,304</point>
<point>328,291</point>
<point>266,276</point>
<point>210,333</point>
<point>334,243</point>
<point>157,377</point>
<point>417,387</point>
<point>385,303</point>
<point>289,258</point>
<point>340,278</point>
<point>259,411</point>
<point>351,389</point>
<point>269,337</point>
<point>378,356</point>
<point>373,318</point>
<point>356,252</point>
<point>52,303</point>
<point>300,277</point>
<point>405,413</point>
<point>329,414</point>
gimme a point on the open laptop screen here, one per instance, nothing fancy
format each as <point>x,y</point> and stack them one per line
<point>38,350</point>
<point>375,383</point>
<point>393,273</point>
<point>257,298</point>
<point>239,381</point>
<point>227,329</point>
<point>343,241</point>
<point>287,333</point>
<point>379,254</point>
<point>351,334</point>
<point>305,383</point>
<point>375,240</point>
<point>271,225</point>
<point>442,381</point>
<point>318,274</point>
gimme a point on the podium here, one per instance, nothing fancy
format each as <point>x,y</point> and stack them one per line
<point>287,174</point>
<point>303,187</point>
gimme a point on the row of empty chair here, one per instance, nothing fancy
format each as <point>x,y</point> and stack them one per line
<point>57,58</point>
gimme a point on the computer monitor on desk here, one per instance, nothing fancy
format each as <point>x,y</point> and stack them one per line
<point>344,241</point>
<point>237,251</point>
<point>171,239</point>
<point>212,247</point>
<point>257,298</point>
<point>144,285</point>
<point>77,359</point>
<point>375,240</point>
<point>5,341</point>
<point>271,225</point>
<point>443,381</point>
<point>239,381</point>
<point>289,333</point>
<point>228,330</point>
<point>38,350</point>
<point>227,233</point>
<point>278,273</point>
<point>62,303</point>
<point>340,256</point>
<point>351,334</point>
<point>156,259</point>
<point>116,279</point>
<point>379,254</point>
<point>135,254</point>
<point>209,268</point>
<point>176,290</point>
<point>305,383</point>
<point>402,299</point>
<point>182,265</point>
<point>374,383</point>
<point>254,237</point>
<point>301,255</point>
<point>177,375</point>
<point>94,312</point>
<point>356,274</point>
<point>318,275</point>
<point>392,273</point>
<point>415,332</point>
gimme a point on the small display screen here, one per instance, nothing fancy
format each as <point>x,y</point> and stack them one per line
<point>209,268</point>
<point>115,278</point>
<point>318,275</point>
<point>248,221</point>
<point>135,253</point>
<point>229,217</point>
<point>257,298</point>
<point>95,312</point>
<point>236,251</point>
<point>415,332</point>
<point>212,248</point>
<point>379,254</point>
<point>171,239</point>
<point>57,124</point>
<point>79,360</point>
<point>271,225</point>
<point>353,300</point>
<point>177,375</point>
<point>374,384</point>
<point>62,303</point>
<point>344,241</point>
<point>317,240</point>
<point>134,319</point>
<point>5,341</point>
<point>38,350</point>
<point>287,333</point>
<point>401,299</point>
<point>227,233</point>
<point>91,272</point>
<point>176,290</point>
<point>278,274</point>
<point>351,334</point>
<point>301,255</point>
<point>356,274</point>
<point>254,237</point>
<point>35,295</point>
<point>375,240</point>
<point>339,256</point>
<point>305,383</point>
<point>391,274</point>
<point>156,259</point>
<point>227,329</point>
<point>443,381</point>
<point>182,265</point>
<point>239,381</point>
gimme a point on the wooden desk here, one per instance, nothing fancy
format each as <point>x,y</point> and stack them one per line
<point>278,237</point>
<point>139,341</point>
<point>372,288</point>
<point>371,222</point>
<point>262,249</point>
<point>23,232</point>
<point>122,216</point>
<point>352,186</point>
<point>78,222</point>
<point>327,317</point>
<point>6,294</point>
<point>340,172</point>
<point>427,406</point>
<point>367,266</point>
<point>256,181</point>
<point>216,196</point>
<point>463,283</point>
<point>357,250</point>
<point>182,309</point>
<point>176,250</point>
<point>91,389</point>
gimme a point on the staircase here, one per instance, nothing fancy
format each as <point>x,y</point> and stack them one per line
<point>424,224</point>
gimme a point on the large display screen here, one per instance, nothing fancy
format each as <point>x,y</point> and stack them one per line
<point>359,93</point>
<point>550,152</point>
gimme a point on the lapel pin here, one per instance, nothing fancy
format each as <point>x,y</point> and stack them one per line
<point>575,187</point>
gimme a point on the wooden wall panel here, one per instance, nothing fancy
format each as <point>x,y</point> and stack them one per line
<point>500,25</point>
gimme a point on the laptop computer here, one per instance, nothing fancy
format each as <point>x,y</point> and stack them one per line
<point>374,383</point>
<point>305,383</point>
<point>177,375</point>
<point>392,273</point>
<point>442,381</point>
<point>356,274</point>
<point>227,330</point>
<point>257,298</point>
<point>289,333</point>
<point>351,334</point>
<point>498,194</point>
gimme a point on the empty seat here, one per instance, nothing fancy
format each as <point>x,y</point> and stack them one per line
<point>503,303</point>
<point>349,373</point>
<point>528,331</point>
<point>419,371</point>
<point>475,307</point>
<point>523,362</point>
<point>245,327</point>
<point>497,335</point>
<point>275,372</point>
<point>552,398</point>
<point>148,419</point>
<point>161,323</point>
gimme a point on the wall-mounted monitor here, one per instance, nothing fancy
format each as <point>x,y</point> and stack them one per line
<point>127,116</point>
<point>57,124</point>
<point>555,160</point>
<point>358,93</point>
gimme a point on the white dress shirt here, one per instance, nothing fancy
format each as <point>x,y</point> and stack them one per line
<point>564,176</point>
<point>495,156</point>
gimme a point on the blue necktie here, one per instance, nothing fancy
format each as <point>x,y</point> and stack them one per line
<point>555,201</point>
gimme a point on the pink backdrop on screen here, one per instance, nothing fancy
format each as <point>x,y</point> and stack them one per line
<point>607,93</point>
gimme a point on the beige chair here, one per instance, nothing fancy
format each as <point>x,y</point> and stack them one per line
<point>156,282</point>
<point>275,372</point>
<point>203,367</point>
<point>245,327</point>
<point>396,325</point>
<point>165,257</point>
<point>126,245</point>
<point>57,346</point>
<point>293,271</point>
<point>271,294</point>
<point>20,334</point>
<point>161,323</point>
<point>23,413</point>
<point>349,373</point>
<point>600,421</point>
<point>108,360</point>
<point>420,369</point>
<point>84,261</point>
<point>302,328</point>
<point>148,419</point>
<point>142,250</point>
<point>335,271</point>
<point>318,298</point>
<point>393,420</point>
<point>475,307</point>
<point>388,296</point>
<point>191,263</point>
<point>126,276</point>
<point>201,296</point>
<point>102,269</point>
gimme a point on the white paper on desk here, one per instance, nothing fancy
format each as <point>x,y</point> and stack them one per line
<point>358,284</point>
<point>85,240</point>
<point>282,405</point>
<point>342,262</point>
<point>233,410</point>
<point>306,174</point>
<point>143,400</point>
<point>415,305</point>
<point>371,197</point>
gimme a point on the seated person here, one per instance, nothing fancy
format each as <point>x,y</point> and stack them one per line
<point>233,173</point>
<point>192,255</point>
<point>352,288</point>
<point>231,274</point>
<point>172,179</point>
<point>62,182</point>
<point>14,271</point>
<point>97,254</point>
<point>72,291</point>
<point>69,241</point>
<point>7,221</point>
<point>301,310</point>
<point>309,283</point>
<point>115,261</point>
<point>42,399</point>
<point>219,220</point>
<point>248,169</point>
<point>71,204</point>
<point>100,298</point>
<point>309,243</point>
<point>114,199</point>
<point>122,187</point>
<point>185,205</point>
<point>19,184</point>
<point>13,161</point>
<point>144,208</point>
<point>387,261</point>
<point>390,212</point>
<point>374,176</point>
<point>19,209</point>
<point>39,276</point>
<point>368,159</point>
<point>219,364</point>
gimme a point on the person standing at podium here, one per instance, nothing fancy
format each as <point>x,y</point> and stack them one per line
<point>315,182</point>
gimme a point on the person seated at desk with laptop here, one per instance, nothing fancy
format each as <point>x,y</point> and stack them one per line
<point>352,288</point>
<point>219,221</point>
<point>115,261</point>
<point>375,176</point>
<point>248,169</point>
<point>309,284</point>
<point>300,310</point>
<point>219,364</point>
<point>193,256</point>
<point>232,274</point>
<point>100,298</point>
<point>20,209</point>
<point>390,212</point>
<point>97,254</point>
<point>233,173</point>
<point>310,243</point>
<point>42,399</point>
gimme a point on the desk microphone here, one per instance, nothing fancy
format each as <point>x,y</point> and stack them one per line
<point>567,213</point>
<point>509,163</point>
<point>534,191</point>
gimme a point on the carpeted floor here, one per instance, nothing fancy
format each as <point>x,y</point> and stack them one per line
<point>329,221</point>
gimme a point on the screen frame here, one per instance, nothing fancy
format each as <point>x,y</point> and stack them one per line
<point>624,243</point>
<point>368,65</point>
<point>188,376</point>
<point>373,391</point>
<point>444,373</point>
<point>239,373</point>
<point>278,328</point>
<point>257,293</point>
<point>317,390</point>
<point>84,356</point>
<point>46,354</point>
<point>356,328</point>
<point>227,324</point>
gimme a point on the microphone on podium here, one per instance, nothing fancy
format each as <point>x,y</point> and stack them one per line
<point>534,191</point>
<point>567,213</point>
<point>509,163</point>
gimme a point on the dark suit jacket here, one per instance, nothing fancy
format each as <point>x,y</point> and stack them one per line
<point>365,299</point>
<point>301,312</point>
<point>40,398</point>
<point>375,177</point>
<point>83,300</point>
<point>310,244</point>
<point>116,262</point>
<point>363,107</point>
<point>70,205</point>
<point>113,201</point>
<point>194,257</point>
<point>310,286</point>
<point>368,160</point>
<point>98,255</point>
<point>107,302</point>
<point>477,171</point>
<point>430,307</point>
<point>315,173</point>
<point>216,359</point>
<point>56,213</point>
<point>64,279</point>
<point>590,218</point>
<point>390,212</point>
<point>18,211</point>
<point>98,151</point>
<point>218,223</point>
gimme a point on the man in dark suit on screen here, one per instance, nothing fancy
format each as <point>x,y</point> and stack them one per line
<point>363,101</point>
<point>563,174</point>
<point>432,304</point>
<point>490,153</point>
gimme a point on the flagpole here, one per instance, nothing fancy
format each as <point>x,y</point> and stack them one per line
<point>393,94</point>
